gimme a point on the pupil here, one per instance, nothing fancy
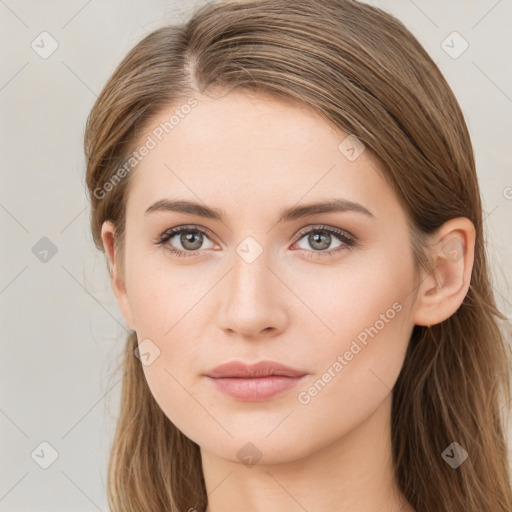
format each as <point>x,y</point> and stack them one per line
<point>317,238</point>
<point>188,238</point>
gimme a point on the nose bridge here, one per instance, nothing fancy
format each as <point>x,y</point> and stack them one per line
<point>252,296</point>
<point>251,275</point>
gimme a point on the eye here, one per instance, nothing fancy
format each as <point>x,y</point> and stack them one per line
<point>321,238</point>
<point>190,240</point>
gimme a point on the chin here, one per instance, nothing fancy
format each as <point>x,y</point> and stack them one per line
<point>257,449</point>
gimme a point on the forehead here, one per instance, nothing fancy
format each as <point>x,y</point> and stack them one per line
<point>251,152</point>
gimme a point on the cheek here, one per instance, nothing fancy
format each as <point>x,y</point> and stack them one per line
<point>161,293</point>
<point>362,326</point>
<point>165,300</point>
<point>360,301</point>
<point>356,368</point>
<point>173,393</point>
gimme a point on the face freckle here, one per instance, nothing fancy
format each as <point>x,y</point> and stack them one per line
<point>230,169</point>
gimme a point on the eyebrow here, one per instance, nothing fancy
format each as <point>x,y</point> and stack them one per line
<point>289,214</point>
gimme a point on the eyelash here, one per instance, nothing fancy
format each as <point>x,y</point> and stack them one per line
<point>349,241</point>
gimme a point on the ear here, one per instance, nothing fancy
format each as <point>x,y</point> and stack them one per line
<point>117,280</point>
<point>442,291</point>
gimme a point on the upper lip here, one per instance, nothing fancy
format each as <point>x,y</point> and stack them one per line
<point>259,369</point>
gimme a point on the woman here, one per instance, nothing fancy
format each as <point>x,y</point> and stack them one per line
<point>287,198</point>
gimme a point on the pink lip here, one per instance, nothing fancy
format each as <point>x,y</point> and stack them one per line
<point>255,382</point>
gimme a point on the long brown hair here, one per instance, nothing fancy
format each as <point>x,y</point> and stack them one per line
<point>367,75</point>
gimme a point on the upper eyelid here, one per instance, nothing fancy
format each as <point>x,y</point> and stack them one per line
<point>319,227</point>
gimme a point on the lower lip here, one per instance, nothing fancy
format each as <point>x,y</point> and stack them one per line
<point>255,389</point>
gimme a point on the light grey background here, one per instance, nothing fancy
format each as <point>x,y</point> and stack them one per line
<point>61,330</point>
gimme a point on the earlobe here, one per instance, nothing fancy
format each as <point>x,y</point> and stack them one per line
<point>117,280</point>
<point>442,291</point>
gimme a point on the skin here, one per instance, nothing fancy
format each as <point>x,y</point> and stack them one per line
<point>252,156</point>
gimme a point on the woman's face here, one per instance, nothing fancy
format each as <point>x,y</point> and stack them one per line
<point>260,285</point>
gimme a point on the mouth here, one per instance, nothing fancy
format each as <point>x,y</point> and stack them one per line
<point>254,389</point>
<point>256,382</point>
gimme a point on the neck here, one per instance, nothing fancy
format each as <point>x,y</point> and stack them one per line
<point>353,474</point>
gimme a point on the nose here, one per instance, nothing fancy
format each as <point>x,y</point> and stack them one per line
<point>253,299</point>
